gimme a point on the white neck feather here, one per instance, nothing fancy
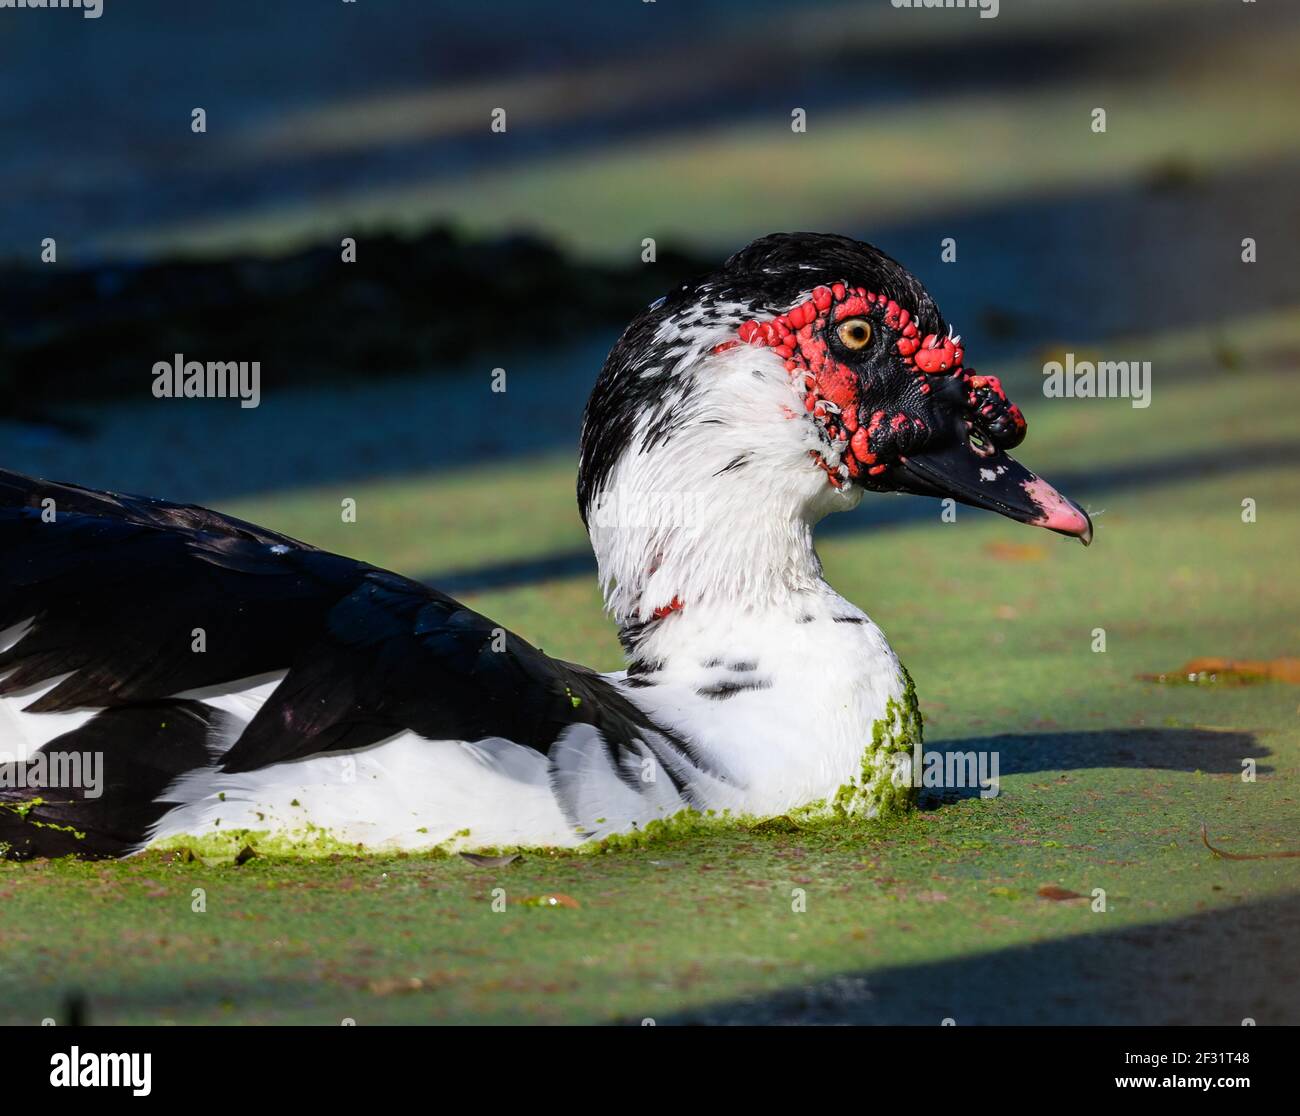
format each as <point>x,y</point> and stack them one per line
<point>721,512</point>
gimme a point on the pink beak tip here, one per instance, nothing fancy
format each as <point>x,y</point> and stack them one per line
<point>1059,514</point>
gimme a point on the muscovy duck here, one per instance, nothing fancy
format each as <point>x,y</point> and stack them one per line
<point>330,696</point>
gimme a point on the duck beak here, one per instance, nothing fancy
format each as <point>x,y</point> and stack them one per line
<point>993,480</point>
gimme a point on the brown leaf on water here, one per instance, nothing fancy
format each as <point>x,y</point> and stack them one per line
<point>1279,670</point>
<point>1211,670</point>
<point>1205,836</point>
<point>480,860</point>
<point>1058,894</point>
<point>1015,552</point>
<point>397,985</point>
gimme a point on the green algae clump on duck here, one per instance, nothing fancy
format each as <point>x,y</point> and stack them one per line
<point>885,785</point>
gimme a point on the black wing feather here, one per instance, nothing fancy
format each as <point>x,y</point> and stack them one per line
<point>117,584</point>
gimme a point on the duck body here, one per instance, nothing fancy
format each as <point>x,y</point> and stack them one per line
<point>221,677</point>
<point>741,737</point>
<point>736,711</point>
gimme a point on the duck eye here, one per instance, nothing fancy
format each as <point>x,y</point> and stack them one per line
<point>854,333</point>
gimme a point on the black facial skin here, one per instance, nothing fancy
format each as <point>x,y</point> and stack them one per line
<point>931,408</point>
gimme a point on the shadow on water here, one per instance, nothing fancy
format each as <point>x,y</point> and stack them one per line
<point>1213,967</point>
<point>1160,749</point>
<point>1213,752</point>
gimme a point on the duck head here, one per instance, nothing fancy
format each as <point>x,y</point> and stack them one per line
<point>806,371</point>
